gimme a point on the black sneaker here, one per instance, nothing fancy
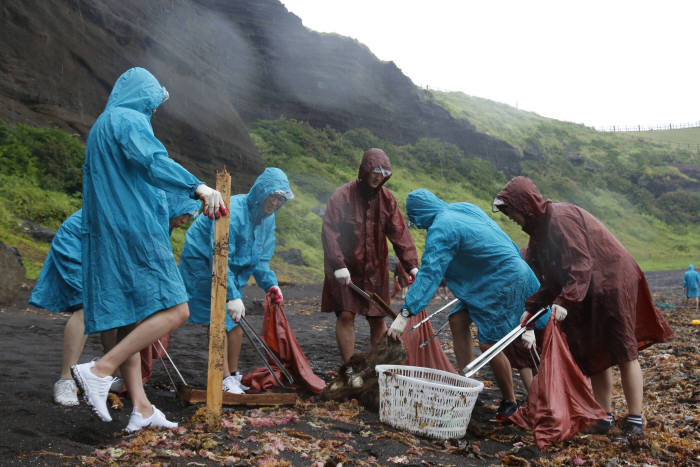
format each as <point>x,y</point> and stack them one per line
<point>506,409</point>
<point>631,431</point>
<point>601,427</point>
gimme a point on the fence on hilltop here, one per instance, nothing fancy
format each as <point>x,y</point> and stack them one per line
<point>670,126</point>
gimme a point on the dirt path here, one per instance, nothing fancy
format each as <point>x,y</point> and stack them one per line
<point>35,431</point>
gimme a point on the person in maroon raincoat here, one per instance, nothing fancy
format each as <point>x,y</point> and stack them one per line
<point>587,275</point>
<point>359,217</point>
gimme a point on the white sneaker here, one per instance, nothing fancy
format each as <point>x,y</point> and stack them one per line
<point>65,392</point>
<point>157,420</point>
<point>94,389</point>
<point>239,378</point>
<point>231,385</point>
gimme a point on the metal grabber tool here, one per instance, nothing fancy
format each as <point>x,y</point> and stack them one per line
<point>496,348</point>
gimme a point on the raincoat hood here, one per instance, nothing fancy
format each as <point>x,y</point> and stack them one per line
<point>690,268</point>
<point>422,206</point>
<point>139,90</point>
<point>374,160</point>
<point>522,195</point>
<point>179,205</point>
<point>272,181</point>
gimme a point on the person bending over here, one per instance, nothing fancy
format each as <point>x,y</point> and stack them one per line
<point>595,287</point>
<point>251,246</point>
<point>483,269</point>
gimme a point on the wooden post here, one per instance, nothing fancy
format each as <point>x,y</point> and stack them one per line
<point>217,322</point>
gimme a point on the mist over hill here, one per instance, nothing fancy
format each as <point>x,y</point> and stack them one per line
<point>250,86</point>
<point>226,64</point>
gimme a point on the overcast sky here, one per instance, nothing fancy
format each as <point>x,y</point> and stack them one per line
<point>601,63</point>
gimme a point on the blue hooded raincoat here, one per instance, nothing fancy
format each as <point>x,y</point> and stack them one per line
<point>129,271</point>
<point>250,248</point>
<point>690,282</point>
<point>480,263</point>
<point>60,284</point>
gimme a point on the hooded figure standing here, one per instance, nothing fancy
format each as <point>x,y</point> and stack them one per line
<point>130,278</point>
<point>250,249</point>
<point>593,282</point>
<point>691,281</point>
<point>359,218</point>
<point>483,269</point>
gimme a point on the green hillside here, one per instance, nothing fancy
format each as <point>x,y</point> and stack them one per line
<point>611,175</point>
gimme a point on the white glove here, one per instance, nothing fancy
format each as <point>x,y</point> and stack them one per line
<point>213,202</point>
<point>413,273</point>
<point>528,338</point>
<point>277,292</point>
<point>559,312</point>
<point>398,326</point>
<point>342,276</point>
<point>235,309</point>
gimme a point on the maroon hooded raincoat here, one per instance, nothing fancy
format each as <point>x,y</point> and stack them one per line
<point>357,222</point>
<point>585,269</point>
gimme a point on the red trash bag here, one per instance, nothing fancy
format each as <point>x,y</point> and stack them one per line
<point>279,337</point>
<point>560,403</point>
<point>432,355</point>
<point>148,354</point>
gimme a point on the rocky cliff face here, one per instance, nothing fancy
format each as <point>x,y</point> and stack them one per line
<point>224,62</point>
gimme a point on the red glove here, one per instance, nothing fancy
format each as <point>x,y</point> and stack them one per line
<point>276,294</point>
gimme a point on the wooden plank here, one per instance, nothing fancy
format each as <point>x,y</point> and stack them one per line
<point>217,320</point>
<point>196,396</point>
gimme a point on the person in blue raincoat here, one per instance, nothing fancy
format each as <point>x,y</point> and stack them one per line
<point>251,246</point>
<point>691,283</point>
<point>130,278</point>
<point>482,267</point>
<point>59,288</point>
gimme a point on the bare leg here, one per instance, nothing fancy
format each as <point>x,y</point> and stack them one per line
<point>602,389</point>
<point>503,373</point>
<point>345,334</point>
<point>377,328</point>
<point>526,377</point>
<point>234,340</point>
<point>74,338</point>
<point>632,386</point>
<point>153,327</point>
<point>131,371</point>
<point>460,323</point>
<point>109,340</point>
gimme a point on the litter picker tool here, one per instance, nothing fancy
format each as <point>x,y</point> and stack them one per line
<point>435,334</point>
<point>376,299</point>
<point>171,362</point>
<point>426,319</point>
<point>258,342</point>
<point>247,333</point>
<point>492,351</point>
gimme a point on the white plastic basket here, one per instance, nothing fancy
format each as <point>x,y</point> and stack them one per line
<point>425,401</point>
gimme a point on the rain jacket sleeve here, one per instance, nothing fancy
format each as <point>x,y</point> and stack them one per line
<point>264,276</point>
<point>66,250</point>
<point>576,264</point>
<point>332,220</point>
<point>400,238</point>
<point>440,245</point>
<point>143,149</point>
<point>232,290</point>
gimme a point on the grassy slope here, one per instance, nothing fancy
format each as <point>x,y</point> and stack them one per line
<point>319,160</point>
<point>656,245</point>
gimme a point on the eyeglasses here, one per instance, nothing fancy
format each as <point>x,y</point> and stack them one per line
<point>382,170</point>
